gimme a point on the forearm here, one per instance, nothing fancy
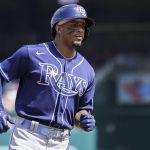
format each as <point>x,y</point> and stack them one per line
<point>1,105</point>
<point>4,117</point>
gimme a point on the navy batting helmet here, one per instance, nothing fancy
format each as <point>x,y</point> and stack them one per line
<point>70,12</point>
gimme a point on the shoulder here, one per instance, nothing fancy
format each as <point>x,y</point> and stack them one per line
<point>38,45</point>
<point>32,48</point>
<point>35,46</point>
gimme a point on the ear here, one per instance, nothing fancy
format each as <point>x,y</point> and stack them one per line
<point>58,28</point>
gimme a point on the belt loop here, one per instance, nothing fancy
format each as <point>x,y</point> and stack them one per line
<point>34,125</point>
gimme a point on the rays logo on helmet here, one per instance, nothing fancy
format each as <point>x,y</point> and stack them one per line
<point>81,10</point>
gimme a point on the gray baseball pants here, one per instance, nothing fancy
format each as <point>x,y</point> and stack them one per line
<point>28,139</point>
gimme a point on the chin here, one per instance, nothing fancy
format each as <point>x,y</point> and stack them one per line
<point>77,43</point>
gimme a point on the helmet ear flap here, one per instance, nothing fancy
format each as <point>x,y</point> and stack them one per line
<point>86,35</point>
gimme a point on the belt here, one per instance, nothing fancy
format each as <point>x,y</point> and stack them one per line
<point>47,131</point>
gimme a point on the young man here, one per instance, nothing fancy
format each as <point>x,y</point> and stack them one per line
<point>56,86</point>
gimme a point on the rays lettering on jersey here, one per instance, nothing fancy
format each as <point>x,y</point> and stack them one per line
<point>64,83</point>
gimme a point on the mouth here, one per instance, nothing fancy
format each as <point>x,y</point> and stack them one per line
<point>79,37</point>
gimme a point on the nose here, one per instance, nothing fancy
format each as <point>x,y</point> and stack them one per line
<point>80,29</point>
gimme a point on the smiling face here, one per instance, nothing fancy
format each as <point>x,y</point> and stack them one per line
<point>71,32</point>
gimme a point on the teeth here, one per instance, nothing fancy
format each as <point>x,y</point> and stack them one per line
<point>79,37</point>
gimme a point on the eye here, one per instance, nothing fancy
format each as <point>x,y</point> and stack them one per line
<point>73,25</point>
<point>77,25</point>
<point>83,25</point>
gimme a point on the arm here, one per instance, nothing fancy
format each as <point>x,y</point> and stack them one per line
<point>83,118</point>
<point>3,115</point>
<point>13,67</point>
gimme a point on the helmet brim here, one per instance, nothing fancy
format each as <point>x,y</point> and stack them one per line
<point>89,21</point>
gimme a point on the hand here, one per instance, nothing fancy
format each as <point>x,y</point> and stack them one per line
<point>87,122</point>
<point>3,121</point>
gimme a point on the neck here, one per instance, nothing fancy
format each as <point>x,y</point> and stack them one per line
<point>65,50</point>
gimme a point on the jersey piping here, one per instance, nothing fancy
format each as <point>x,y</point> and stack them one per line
<point>4,73</point>
<point>77,65</point>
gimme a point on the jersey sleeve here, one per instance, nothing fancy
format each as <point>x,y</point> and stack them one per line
<point>16,65</point>
<point>86,101</point>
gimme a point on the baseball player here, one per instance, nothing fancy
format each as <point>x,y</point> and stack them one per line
<point>56,85</point>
